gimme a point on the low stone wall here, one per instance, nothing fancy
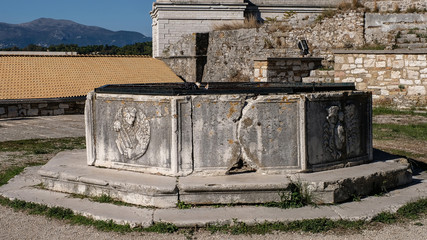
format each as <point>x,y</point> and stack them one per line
<point>397,78</point>
<point>41,107</point>
<point>289,70</point>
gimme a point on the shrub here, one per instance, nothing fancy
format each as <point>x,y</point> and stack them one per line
<point>353,5</point>
<point>396,8</point>
<point>376,9</point>
<point>278,27</point>
<point>412,9</point>
<point>249,22</point>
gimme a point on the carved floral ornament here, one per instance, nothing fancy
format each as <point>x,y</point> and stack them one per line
<point>133,132</point>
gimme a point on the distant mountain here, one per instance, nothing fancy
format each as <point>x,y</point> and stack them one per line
<point>46,32</point>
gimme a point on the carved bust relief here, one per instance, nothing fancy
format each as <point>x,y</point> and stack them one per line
<point>133,132</point>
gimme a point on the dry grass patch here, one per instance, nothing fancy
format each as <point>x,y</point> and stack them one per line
<point>250,22</point>
<point>347,5</point>
<point>278,27</point>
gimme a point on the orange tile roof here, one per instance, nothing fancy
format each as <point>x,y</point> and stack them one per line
<point>23,77</point>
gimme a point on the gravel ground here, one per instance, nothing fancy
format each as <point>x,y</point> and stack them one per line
<point>42,127</point>
<point>18,225</point>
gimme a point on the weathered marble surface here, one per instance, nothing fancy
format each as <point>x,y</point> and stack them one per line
<point>218,134</point>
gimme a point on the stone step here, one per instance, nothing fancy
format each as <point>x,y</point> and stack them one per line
<point>335,186</point>
<point>68,172</point>
<point>410,35</point>
<point>421,31</point>
<point>318,80</point>
<point>412,45</point>
<point>408,40</point>
<point>413,31</point>
<point>22,188</point>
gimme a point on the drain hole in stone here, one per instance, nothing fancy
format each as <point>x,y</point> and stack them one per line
<point>241,167</point>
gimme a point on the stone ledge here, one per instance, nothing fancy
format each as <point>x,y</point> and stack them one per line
<point>181,57</point>
<point>22,187</point>
<point>13,108</point>
<point>68,172</point>
<point>241,188</point>
<point>340,185</point>
<point>288,59</point>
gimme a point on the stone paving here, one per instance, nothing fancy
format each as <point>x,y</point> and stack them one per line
<point>42,127</point>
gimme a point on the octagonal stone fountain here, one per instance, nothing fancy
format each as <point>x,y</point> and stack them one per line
<point>218,129</point>
<point>220,143</point>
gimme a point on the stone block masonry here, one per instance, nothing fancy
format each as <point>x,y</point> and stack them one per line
<point>187,57</point>
<point>231,54</point>
<point>173,19</point>
<point>289,70</point>
<point>41,107</point>
<point>397,78</point>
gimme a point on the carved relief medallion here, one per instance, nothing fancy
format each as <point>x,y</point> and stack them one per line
<point>133,132</point>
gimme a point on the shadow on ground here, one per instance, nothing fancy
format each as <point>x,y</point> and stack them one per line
<point>417,166</point>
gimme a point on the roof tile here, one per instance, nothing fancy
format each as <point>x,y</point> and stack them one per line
<point>24,77</point>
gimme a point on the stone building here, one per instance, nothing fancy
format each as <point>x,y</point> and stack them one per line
<point>174,18</point>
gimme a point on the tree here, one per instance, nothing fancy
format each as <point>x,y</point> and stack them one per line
<point>144,48</point>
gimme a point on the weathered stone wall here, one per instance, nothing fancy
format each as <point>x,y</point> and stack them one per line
<point>397,78</point>
<point>289,70</point>
<point>303,11</point>
<point>188,68</point>
<point>231,53</point>
<point>41,107</point>
<point>173,19</point>
<point>383,28</point>
<point>187,57</point>
<point>293,3</point>
<point>392,5</point>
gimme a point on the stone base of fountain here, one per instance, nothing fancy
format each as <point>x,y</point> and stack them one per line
<point>222,143</point>
<point>68,172</point>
